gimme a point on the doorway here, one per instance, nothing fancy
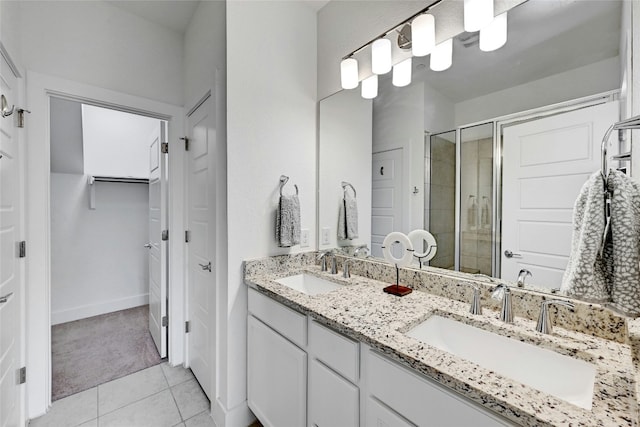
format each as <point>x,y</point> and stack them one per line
<point>108,261</point>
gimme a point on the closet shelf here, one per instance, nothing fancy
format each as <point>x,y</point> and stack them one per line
<point>93,179</point>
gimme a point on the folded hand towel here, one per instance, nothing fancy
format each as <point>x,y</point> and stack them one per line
<point>288,221</point>
<point>625,242</point>
<point>348,217</point>
<point>587,273</point>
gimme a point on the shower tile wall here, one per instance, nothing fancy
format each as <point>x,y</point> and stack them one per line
<point>476,203</point>
<point>440,167</point>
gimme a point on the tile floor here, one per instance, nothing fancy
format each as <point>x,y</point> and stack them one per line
<point>159,396</point>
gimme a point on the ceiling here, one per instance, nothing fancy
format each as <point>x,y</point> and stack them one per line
<point>172,14</point>
<point>176,14</point>
<point>545,37</point>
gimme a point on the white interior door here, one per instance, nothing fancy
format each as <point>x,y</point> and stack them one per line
<point>201,245</point>
<point>546,162</point>
<point>386,198</point>
<point>10,268</point>
<point>157,246</point>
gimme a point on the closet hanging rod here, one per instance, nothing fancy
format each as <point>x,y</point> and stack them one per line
<point>118,179</point>
<point>630,123</point>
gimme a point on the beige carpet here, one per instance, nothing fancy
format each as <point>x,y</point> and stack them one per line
<point>93,351</point>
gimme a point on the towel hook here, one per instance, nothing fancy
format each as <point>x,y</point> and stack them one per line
<point>346,184</point>
<point>283,180</point>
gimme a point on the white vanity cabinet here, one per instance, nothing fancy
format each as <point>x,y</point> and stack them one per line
<point>276,366</point>
<point>301,373</point>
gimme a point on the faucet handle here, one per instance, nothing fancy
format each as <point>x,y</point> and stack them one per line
<point>476,302</point>
<point>345,269</point>
<point>334,265</point>
<point>503,293</point>
<point>544,324</point>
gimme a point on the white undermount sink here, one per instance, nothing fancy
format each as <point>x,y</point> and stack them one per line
<point>561,376</point>
<point>308,284</point>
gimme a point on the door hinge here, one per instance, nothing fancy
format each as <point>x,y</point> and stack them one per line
<point>165,321</point>
<point>165,234</point>
<point>187,236</point>
<point>21,112</point>
<point>187,327</point>
<point>22,375</point>
<point>186,143</point>
<point>22,249</point>
<point>164,147</point>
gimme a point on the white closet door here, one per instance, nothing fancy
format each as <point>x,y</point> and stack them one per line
<point>157,247</point>
<point>386,198</point>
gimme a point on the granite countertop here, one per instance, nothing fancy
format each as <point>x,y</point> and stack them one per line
<point>364,312</point>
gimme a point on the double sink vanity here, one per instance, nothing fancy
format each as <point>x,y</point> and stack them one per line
<point>325,350</point>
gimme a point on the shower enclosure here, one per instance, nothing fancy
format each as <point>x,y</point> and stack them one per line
<point>461,193</point>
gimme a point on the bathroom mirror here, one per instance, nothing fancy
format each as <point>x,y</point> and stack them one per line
<point>432,155</point>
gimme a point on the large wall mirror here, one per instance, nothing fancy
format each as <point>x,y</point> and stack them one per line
<point>488,155</point>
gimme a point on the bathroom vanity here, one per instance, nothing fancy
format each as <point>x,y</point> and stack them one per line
<point>345,356</point>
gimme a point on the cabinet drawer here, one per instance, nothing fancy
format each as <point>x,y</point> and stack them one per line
<point>379,415</point>
<point>333,401</point>
<point>422,401</point>
<point>335,350</point>
<point>289,323</point>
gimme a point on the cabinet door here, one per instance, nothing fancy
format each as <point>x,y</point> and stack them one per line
<point>333,401</point>
<point>276,376</point>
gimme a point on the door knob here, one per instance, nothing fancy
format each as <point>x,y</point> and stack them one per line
<point>4,298</point>
<point>510,254</point>
<point>148,245</point>
<point>206,266</point>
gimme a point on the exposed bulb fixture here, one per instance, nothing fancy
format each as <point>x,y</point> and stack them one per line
<point>442,56</point>
<point>494,35</point>
<point>370,87</point>
<point>402,73</point>
<point>349,73</point>
<point>381,56</point>
<point>477,14</point>
<point>423,35</point>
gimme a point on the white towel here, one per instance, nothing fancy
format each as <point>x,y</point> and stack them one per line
<point>585,276</point>
<point>348,218</point>
<point>288,221</point>
<point>625,240</point>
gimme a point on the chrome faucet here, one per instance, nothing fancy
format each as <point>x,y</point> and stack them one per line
<point>334,264</point>
<point>323,259</point>
<point>502,292</point>
<point>360,248</point>
<point>345,269</point>
<point>544,324</point>
<point>522,275</point>
<point>476,304</point>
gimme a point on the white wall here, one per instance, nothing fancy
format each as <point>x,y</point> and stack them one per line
<point>271,119</point>
<point>98,263</point>
<point>10,23</point>
<point>399,122</point>
<point>591,79</point>
<point>345,148</point>
<point>204,49</point>
<point>95,43</point>
<point>66,136</point>
<point>116,143</point>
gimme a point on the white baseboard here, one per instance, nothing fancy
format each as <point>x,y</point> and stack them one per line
<point>240,416</point>
<point>90,310</point>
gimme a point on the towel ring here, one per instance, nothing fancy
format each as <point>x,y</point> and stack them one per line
<point>283,180</point>
<point>346,184</point>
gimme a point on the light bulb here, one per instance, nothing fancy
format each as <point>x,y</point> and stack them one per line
<point>402,73</point>
<point>442,56</point>
<point>370,87</point>
<point>477,14</point>
<point>494,36</point>
<point>423,35</point>
<point>381,56</point>
<point>349,73</point>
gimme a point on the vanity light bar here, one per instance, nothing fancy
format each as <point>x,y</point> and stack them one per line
<point>478,16</point>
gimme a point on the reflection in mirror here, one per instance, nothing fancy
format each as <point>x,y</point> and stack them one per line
<point>489,155</point>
